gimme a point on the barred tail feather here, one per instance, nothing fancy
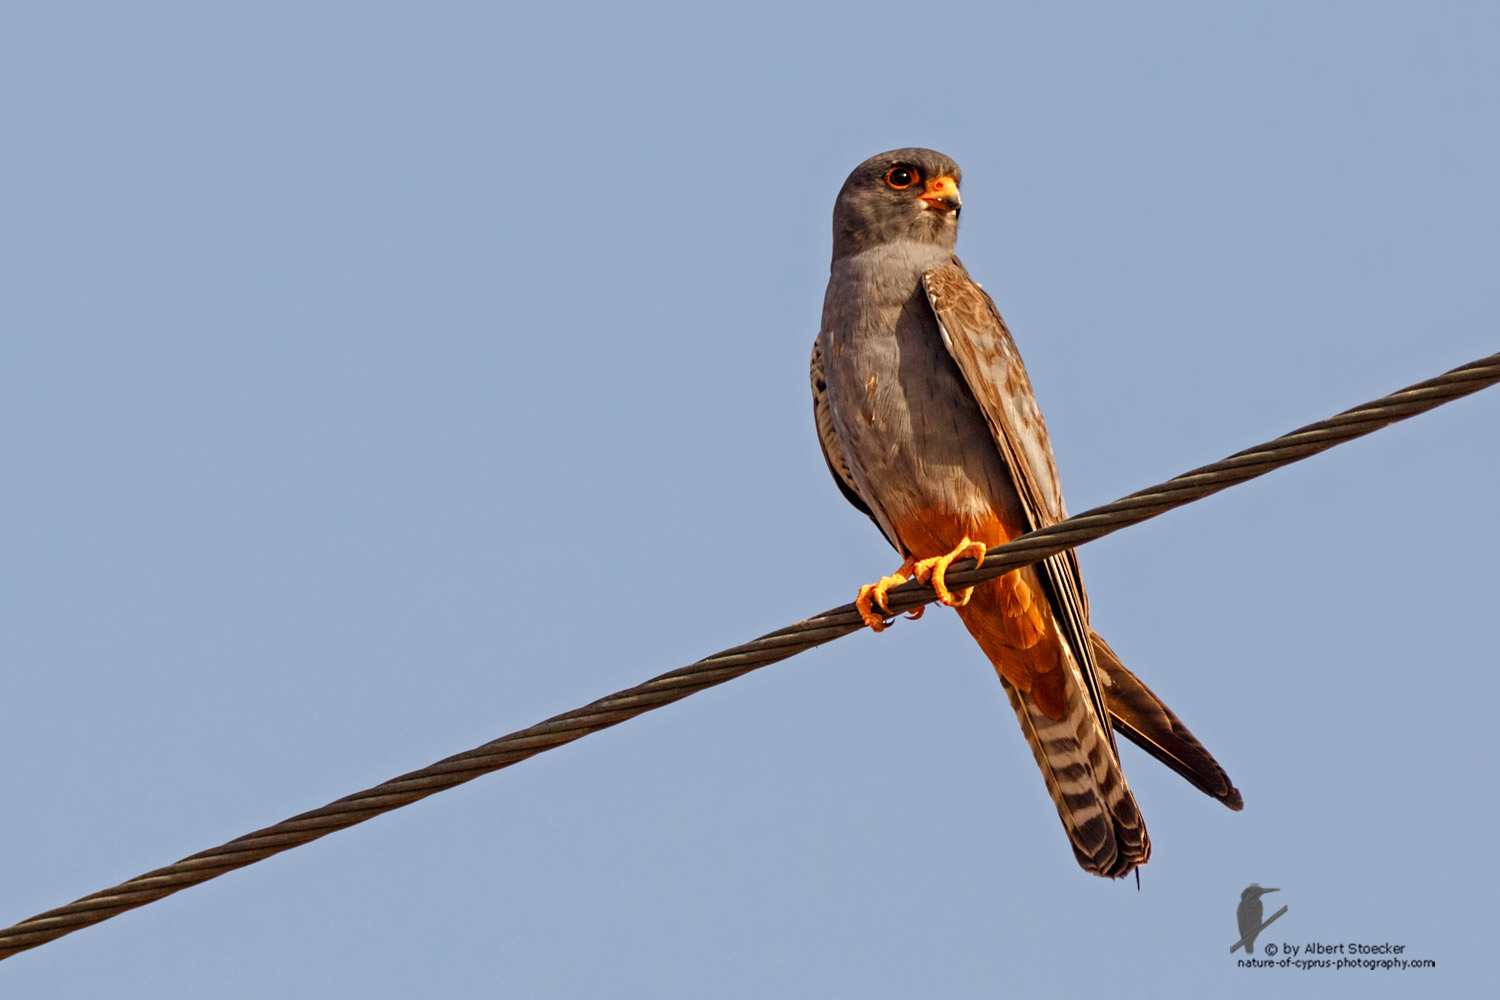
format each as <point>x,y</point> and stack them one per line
<point>1046,686</point>
<point>1050,689</point>
<point>1086,784</point>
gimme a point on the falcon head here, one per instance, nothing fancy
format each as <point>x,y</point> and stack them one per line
<point>906,194</point>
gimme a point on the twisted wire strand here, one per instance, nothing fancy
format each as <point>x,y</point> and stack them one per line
<point>732,663</point>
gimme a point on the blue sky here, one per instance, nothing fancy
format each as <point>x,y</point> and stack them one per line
<point>377,379</point>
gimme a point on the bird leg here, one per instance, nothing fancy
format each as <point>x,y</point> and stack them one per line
<point>933,571</point>
<point>872,595</point>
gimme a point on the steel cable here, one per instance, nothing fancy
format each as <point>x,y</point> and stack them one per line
<point>731,663</point>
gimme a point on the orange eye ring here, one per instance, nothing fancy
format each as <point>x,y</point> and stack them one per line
<point>901,177</point>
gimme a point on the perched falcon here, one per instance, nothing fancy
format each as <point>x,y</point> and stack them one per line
<point>928,423</point>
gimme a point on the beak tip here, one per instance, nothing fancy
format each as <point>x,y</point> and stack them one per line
<point>942,193</point>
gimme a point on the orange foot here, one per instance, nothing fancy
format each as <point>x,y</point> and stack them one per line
<point>932,571</point>
<point>872,595</point>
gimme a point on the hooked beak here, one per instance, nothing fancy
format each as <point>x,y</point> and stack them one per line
<point>942,194</point>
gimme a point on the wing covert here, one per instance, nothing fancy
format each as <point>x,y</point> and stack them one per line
<point>979,342</point>
<point>828,440</point>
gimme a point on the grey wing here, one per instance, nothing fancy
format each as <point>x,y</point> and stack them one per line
<point>976,336</point>
<point>1143,718</point>
<point>828,440</point>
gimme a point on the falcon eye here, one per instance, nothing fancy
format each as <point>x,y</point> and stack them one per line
<point>901,178</point>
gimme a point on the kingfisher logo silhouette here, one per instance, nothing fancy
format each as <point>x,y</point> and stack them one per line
<point>1249,914</point>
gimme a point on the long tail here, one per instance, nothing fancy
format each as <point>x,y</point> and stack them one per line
<point>1073,750</point>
